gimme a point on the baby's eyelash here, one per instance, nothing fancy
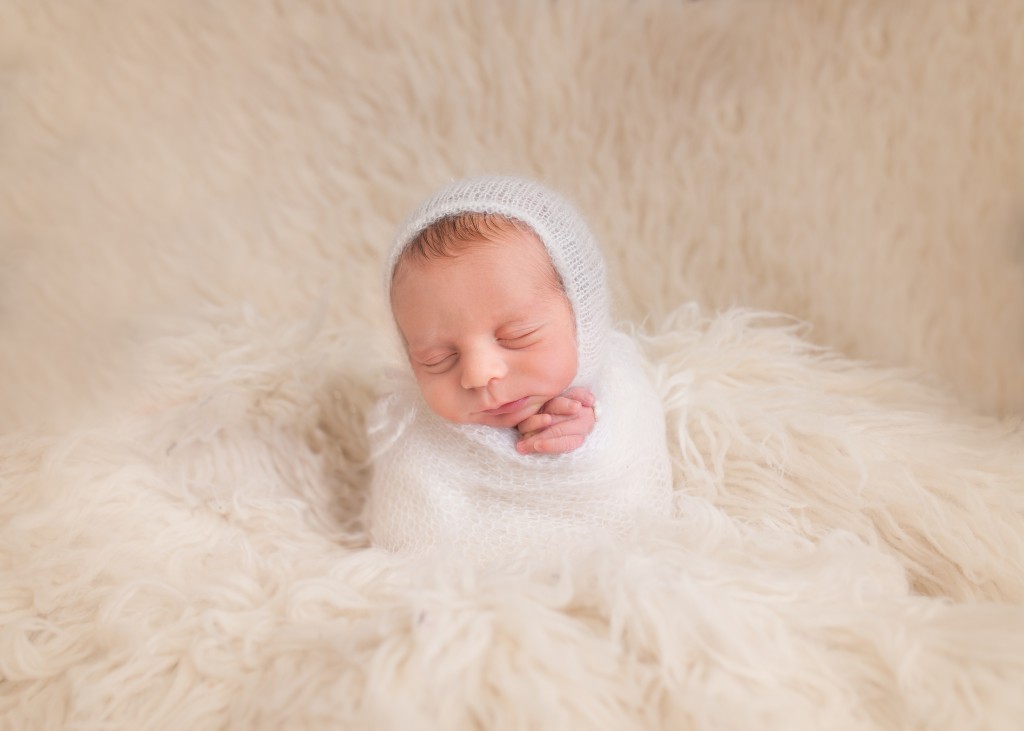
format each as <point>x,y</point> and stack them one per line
<point>438,363</point>
<point>515,334</point>
<point>522,337</point>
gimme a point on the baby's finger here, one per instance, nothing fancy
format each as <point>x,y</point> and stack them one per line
<point>560,428</point>
<point>527,430</point>
<point>581,394</point>
<point>534,423</point>
<point>566,426</point>
<point>562,406</point>
<point>526,444</point>
<point>558,445</point>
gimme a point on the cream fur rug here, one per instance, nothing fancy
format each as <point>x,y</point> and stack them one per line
<point>194,202</point>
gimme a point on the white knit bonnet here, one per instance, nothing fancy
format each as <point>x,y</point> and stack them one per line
<point>565,235</point>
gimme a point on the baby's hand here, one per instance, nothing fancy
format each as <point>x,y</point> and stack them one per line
<point>561,425</point>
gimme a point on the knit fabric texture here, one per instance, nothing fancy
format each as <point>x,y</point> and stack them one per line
<point>463,488</point>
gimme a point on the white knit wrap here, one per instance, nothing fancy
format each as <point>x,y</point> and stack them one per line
<point>463,488</point>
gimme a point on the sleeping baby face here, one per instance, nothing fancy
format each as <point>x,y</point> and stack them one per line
<point>488,331</point>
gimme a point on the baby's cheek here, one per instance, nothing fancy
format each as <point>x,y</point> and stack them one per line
<point>438,396</point>
<point>563,368</point>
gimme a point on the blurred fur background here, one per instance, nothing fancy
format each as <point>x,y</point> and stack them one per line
<point>857,165</point>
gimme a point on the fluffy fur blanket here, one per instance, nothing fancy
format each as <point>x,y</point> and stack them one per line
<point>194,202</point>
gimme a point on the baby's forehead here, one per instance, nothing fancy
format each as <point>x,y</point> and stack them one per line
<point>455,233</point>
<point>522,259</point>
<point>491,286</point>
<point>475,237</point>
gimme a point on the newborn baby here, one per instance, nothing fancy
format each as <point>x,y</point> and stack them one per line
<point>491,449</point>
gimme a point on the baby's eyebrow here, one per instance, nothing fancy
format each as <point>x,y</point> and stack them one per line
<point>520,324</point>
<point>426,349</point>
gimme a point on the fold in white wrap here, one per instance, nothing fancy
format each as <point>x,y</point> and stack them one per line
<point>463,489</point>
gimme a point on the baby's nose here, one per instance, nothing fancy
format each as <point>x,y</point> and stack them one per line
<point>482,366</point>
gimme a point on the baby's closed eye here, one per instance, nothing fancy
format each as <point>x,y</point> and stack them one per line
<point>520,338</point>
<point>438,363</point>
